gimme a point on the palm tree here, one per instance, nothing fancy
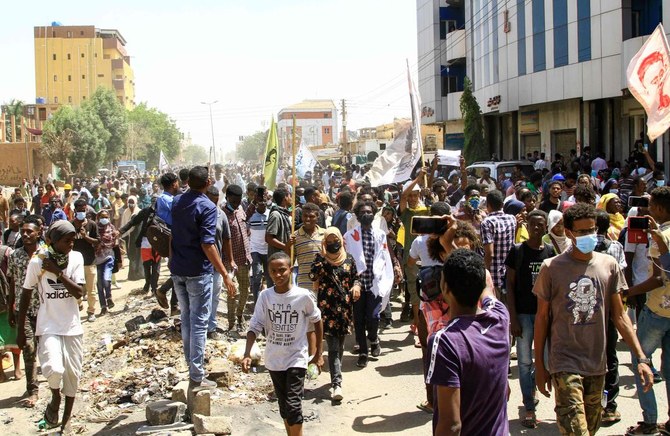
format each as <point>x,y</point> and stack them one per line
<point>14,107</point>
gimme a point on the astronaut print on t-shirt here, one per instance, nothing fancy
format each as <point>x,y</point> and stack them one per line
<point>583,300</point>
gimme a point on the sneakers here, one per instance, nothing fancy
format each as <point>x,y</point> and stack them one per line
<point>110,303</point>
<point>91,317</point>
<point>362,361</point>
<point>642,428</point>
<point>356,349</point>
<point>610,416</point>
<point>162,299</point>
<point>203,384</point>
<point>337,394</point>
<point>375,349</point>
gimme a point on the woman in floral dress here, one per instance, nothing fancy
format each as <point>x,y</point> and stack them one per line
<point>335,282</point>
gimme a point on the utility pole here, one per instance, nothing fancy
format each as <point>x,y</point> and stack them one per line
<point>345,145</point>
<point>212,150</point>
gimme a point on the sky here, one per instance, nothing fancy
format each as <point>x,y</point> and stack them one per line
<point>254,57</point>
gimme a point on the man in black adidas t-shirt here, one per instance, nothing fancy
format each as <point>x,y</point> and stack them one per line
<point>523,265</point>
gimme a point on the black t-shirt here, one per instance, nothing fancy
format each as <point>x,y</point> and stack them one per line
<point>548,206</point>
<point>528,269</point>
<point>81,245</point>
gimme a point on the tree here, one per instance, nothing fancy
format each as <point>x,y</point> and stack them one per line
<point>75,140</point>
<point>14,107</point>
<point>114,119</point>
<point>474,148</point>
<point>151,131</point>
<point>195,154</point>
<point>252,146</point>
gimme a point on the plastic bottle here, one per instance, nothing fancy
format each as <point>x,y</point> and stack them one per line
<point>603,401</point>
<point>312,371</point>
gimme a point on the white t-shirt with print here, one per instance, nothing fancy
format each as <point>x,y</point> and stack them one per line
<point>59,312</point>
<point>419,251</point>
<point>285,318</point>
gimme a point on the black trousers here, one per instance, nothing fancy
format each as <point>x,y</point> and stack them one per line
<point>612,375</point>
<point>288,387</point>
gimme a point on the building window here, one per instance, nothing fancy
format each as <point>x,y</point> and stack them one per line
<point>69,78</point>
<point>101,75</point>
<point>82,55</point>
<point>81,32</point>
<point>83,77</point>
<point>521,36</point>
<point>56,100</point>
<point>69,99</point>
<point>42,113</point>
<point>326,130</point>
<point>54,56</point>
<point>68,56</point>
<point>69,34</point>
<point>382,147</point>
<point>55,78</point>
<point>539,48</point>
<point>449,84</point>
<point>584,31</point>
<point>560,33</point>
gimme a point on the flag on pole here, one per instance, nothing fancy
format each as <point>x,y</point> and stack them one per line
<point>304,160</point>
<point>648,77</point>
<point>271,157</point>
<point>162,162</point>
<point>395,165</point>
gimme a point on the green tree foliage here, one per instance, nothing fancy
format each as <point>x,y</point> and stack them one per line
<point>253,146</point>
<point>114,118</point>
<point>75,140</point>
<point>151,131</point>
<point>195,154</point>
<point>475,148</point>
<point>14,107</point>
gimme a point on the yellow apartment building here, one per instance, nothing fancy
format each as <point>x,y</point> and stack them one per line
<point>71,62</point>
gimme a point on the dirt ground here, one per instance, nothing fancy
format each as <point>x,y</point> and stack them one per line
<point>379,399</point>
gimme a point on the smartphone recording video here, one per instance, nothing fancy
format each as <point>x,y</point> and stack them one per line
<point>638,201</point>
<point>425,225</point>
<point>638,223</point>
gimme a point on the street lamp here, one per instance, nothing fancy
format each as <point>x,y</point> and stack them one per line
<point>212,152</point>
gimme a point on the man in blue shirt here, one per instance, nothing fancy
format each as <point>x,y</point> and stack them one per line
<point>170,183</point>
<point>193,258</point>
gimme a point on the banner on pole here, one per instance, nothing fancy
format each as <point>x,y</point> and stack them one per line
<point>271,161</point>
<point>648,77</point>
<point>304,160</point>
<point>162,162</point>
<point>395,165</point>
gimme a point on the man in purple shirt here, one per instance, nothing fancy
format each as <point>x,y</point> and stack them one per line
<point>193,257</point>
<point>469,357</point>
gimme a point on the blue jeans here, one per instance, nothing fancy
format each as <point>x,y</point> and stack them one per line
<point>217,282</point>
<point>259,268</point>
<point>652,331</point>
<point>524,353</point>
<point>105,281</point>
<point>195,295</point>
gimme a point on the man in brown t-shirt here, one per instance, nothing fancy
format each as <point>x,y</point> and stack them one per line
<point>577,292</point>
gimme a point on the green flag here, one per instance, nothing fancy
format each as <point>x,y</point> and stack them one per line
<point>271,157</point>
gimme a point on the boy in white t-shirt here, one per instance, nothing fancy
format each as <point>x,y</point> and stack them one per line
<point>285,312</point>
<point>58,275</point>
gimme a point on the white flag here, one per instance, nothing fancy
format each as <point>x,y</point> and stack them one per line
<point>162,162</point>
<point>304,160</point>
<point>648,76</point>
<point>395,165</point>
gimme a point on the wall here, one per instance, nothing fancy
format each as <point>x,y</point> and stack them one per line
<point>13,166</point>
<point>562,115</point>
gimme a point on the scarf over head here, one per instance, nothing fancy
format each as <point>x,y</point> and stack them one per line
<point>338,258</point>
<point>617,221</point>
<point>55,233</point>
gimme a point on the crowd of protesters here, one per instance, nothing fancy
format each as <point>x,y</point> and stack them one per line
<point>558,263</point>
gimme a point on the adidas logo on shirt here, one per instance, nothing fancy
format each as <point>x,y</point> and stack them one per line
<point>59,290</point>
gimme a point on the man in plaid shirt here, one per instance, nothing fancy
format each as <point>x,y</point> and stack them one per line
<point>497,231</point>
<point>241,260</point>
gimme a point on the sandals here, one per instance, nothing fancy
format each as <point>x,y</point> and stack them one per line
<point>425,406</point>
<point>29,402</point>
<point>642,428</point>
<point>46,423</point>
<point>530,421</point>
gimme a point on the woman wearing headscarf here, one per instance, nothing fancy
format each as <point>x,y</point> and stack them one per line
<point>611,204</point>
<point>335,280</point>
<point>104,259</point>
<point>136,271</point>
<point>556,236</point>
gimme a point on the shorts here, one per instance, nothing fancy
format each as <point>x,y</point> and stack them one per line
<point>61,360</point>
<point>411,273</point>
<point>149,254</point>
<point>288,386</point>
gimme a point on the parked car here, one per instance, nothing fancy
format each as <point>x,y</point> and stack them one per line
<point>507,167</point>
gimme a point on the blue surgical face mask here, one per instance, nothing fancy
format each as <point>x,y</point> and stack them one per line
<point>104,221</point>
<point>614,191</point>
<point>586,243</point>
<point>474,202</point>
<point>660,182</point>
<point>594,173</point>
<point>80,216</point>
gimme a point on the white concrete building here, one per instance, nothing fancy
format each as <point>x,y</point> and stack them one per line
<point>316,123</point>
<point>547,73</point>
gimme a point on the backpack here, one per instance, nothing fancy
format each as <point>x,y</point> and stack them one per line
<point>428,282</point>
<point>159,234</point>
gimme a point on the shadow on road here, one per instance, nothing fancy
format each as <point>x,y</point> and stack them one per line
<point>390,423</point>
<point>407,367</point>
